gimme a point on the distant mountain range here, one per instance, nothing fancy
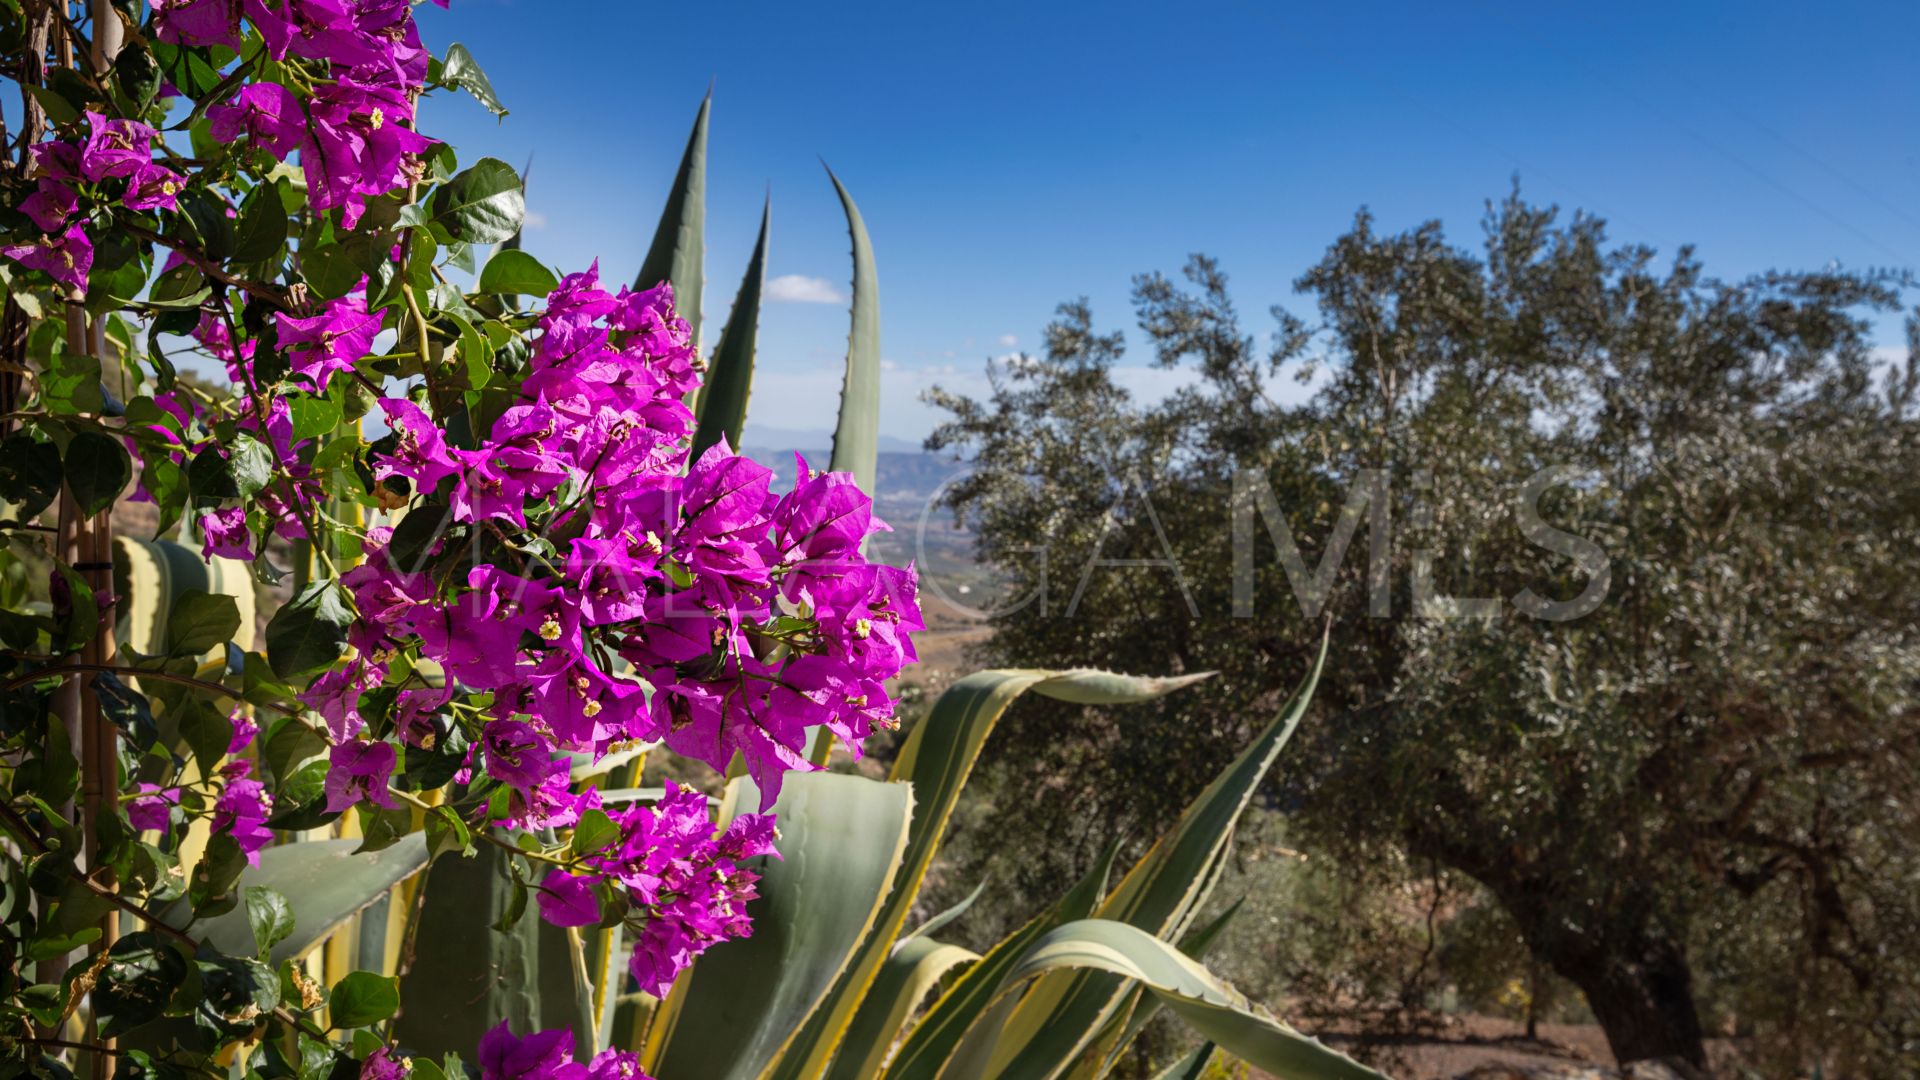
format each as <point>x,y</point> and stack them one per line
<point>760,435</point>
<point>903,476</point>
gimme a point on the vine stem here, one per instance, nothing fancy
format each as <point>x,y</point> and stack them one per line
<point>143,673</point>
<point>418,803</point>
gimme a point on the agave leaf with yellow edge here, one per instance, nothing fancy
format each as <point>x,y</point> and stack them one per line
<point>907,976</point>
<point>325,882</point>
<point>932,1040</point>
<point>1210,1006</point>
<point>1067,1012</point>
<point>937,758</point>
<point>841,842</point>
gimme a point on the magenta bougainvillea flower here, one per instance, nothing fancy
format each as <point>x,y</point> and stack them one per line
<point>360,771</point>
<point>198,22</point>
<point>383,1065</point>
<point>319,345</point>
<point>266,113</point>
<point>224,533</point>
<point>153,808</point>
<point>66,258</point>
<point>241,812</point>
<point>115,148</point>
<point>683,876</point>
<point>51,204</point>
<point>548,1055</point>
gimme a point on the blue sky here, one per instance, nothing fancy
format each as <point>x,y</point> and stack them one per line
<point>1008,156</point>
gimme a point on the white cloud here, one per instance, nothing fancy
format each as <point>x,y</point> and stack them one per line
<point>801,289</point>
<point>1008,341</point>
<point>534,220</point>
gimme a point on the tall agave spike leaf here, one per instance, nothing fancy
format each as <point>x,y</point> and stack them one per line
<point>856,438</point>
<point>325,883</point>
<point>1064,1013</point>
<point>937,758</point>
<point>841,842</point>
<point>723,400</point>
<point>1196,995</point>
<point>466,976</point>
<point>909,974</point>
<point>927,1047</point>
<point>678,252</point>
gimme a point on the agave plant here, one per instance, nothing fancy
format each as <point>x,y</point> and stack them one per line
<point>833,983</point>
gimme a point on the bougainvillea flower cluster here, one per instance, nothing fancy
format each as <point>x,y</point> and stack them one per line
<point>685,604</point>
<point>675,602</point>
<point>673,869</point>
<point>508,561</point>
<point>355,133</point>
<point>363,63</point>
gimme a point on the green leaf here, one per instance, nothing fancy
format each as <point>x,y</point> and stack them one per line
<point>98,469</point>
<point>199,621</point>
<point>1141,1008</point>
<point>937,758</point>
<point>289,744</point>
<point>211,890</point>
<point>481,205</point>
<point>59,109</point>
<point>325,884</point>
<point>263,225</point>
<point>678,251</point>
<point>856,438</point>
<point>310,631</point>
<point>446,832</point>
<point>334,269</point>
<point>1190,991</point>
<point>208,216</point>
<point>362,998</point>
<point>238,991</point>
<point>841,842</point>
<point>459,70</point>
<point>723,399</point>
<point>382,827</point>
<point>143,970</point>
<point>314,416</point>
<point>594,832</point>
<point>138,78</point>
<point>208,733</point>
<point>71,385</point>
<point>513,273</point>
<point>179,289</point>
<point>476,352</point>
<point>269,915</point>
<point>128,709</point>
<point>30,474</point>
<point>250,462</point>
